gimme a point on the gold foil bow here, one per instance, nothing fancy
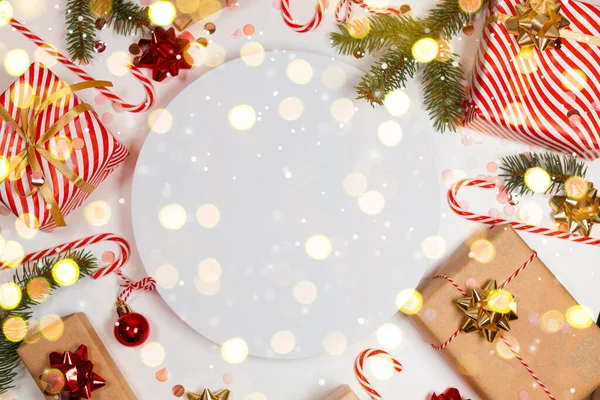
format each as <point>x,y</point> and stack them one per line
<point>488,310</point>
<point>27,130</point>
<point>577,215</point>
<point>540,24</point>
<point>206,394</point>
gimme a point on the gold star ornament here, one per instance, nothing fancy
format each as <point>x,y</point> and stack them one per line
<point>577,215</point>
<point>206,394</point>
<point>488,310</point>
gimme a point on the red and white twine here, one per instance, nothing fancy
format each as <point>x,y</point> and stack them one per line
<point>343,12</point>
<point>134,108</point>
<point>128,285</point>
<point>359,369</point>
<point>512,349</point>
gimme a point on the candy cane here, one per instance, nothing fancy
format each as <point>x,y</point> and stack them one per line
<point>134,108</point>
<point>486,219</point>
<point>128,285</point>
<point>359,369</point>
<point>339,17</point>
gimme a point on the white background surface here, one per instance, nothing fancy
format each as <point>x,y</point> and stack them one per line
<point>194,361</point>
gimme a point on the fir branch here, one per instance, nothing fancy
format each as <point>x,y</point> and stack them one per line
<point>128,18</point>
<point>560,168</point>
<point>443,94</point>
<point>9,359</point>
<point>448,18</point>
<point>81,31</point>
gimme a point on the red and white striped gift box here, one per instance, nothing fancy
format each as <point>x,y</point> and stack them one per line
<point>100,155</point>
<point>530,97</point>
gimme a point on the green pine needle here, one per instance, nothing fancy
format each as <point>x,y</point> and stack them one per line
<point>81,31</point>
<point>560,168</point>
<point>128,18</point>
<point>9,359</point>
<point>443,94</point>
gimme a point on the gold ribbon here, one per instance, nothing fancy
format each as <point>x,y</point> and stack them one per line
<point>540,24</point>
<point>28,156</point>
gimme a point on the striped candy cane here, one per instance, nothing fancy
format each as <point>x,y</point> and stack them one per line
<point>485,219</point>
<point>134,108</point>
<point>343,12</point>
<point>359,369</point>
<point>128,285</point>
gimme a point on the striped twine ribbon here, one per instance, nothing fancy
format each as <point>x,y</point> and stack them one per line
<point>359,370</point>
<point>127,285</point>
<point>146,83</point>
<point>343,12</point>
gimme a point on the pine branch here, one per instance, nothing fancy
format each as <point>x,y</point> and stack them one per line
<point>81,32</point>
<point>448,18</point>
<point>9,359</point>
<point>560,168</point>
<point>128,18</point>
<point>443,94</point>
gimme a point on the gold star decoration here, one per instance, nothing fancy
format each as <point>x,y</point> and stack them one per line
<point>488,310</point>
<point>577,215</point>
<point>537,23</point>
<point>206,394</point>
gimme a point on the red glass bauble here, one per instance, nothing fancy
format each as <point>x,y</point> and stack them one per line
<point>132,329</point>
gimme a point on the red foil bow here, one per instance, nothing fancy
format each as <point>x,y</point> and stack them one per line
<point>164,53</point>
<point>71,376</point>
<point>449,394</point>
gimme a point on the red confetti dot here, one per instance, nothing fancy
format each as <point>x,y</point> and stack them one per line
<point>228,378</point>
<point>101,99</point>
<point>493,212</point>
<point>502,197</point>
<point>4,211</point>
<point>491,166</point>
<point>471,283</point>
<point>572,95</point>
<point>78,144</point>
<point>574,120</point>
<point>509,210</point>
<point>178,390</point>
<point>107,118</point>
<point>108,256</point>
<point>249,30</point>
<point>467,140</point>
<point>596,105</point>
<point>447,174</point>
<point>162,375</point>
<point>236,34</point>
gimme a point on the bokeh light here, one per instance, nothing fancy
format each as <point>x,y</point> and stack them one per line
<point>188,6</point>
<point>335,343</point>
<point>234,351</point>
<point>409,301</point>
<point>504,351</point>
<point>382,368</point>
<point>526,62</point>
<point>152,354</point>
<point>22,95</point>
<point>425,50</point>
<point>355,184</point>
<point>53,381</point>
<point>166,276</point>
<point>118,63</point>
<point>6,12</point>
<point>389,133</point>
<point>290,108</point>
<point>209,270</point>
<point>242,117</point>
<point>470,6</point>
<point>97,213</point>
<point>433,247</point>
<point>14,329</point>
<point>162,13</point>
<point>52,327</point>
<point>300,71</point>
<point>334,78</point>
<point>371,202</point>
<point>318,247</point>
<point>576,187</point>
<point>61,147</point>
<point>501,301</point>
<point>573,80</point>
<point>38,289</point>
<point>160,121</point>
<point>580,317</point>
<point>31,9</point>
<point>253,54</point>
<point>515,114</point>
<point>358,27</point>
<point>10,296</point>
<point>27,226</point>
<point>256,396</point>
<point>342,109</point>
<point>483,251</point>
<point>46,54</point>
<point>389,336</point>
<point>215,55</point>
<point>305,292</point>
<point>208,215</point>
<point>283,342</point>
<point>530,213</point>
<point>397,102</point>
<point>13,254</point>
<point>65,272</point>
<point>552,321</point>
<point>207,288</point>
<point>537,179</point>
<point>4,168</point>
<point>172,216</point>
<point>445,52</point>
<point>16,62</point>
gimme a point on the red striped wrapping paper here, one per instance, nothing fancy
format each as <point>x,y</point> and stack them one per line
<point>528,98</point>
<point>100,155</point>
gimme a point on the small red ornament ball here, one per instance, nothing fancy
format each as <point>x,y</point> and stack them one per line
<point>132,329</point>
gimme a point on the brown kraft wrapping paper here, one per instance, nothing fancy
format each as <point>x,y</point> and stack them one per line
<point>77,330</point>
<point>342,393</point>
<point>566,359</point>
<point>191,11</point>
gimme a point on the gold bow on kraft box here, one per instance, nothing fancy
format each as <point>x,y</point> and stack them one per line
<point>27,130</point>
<point>540,24</point>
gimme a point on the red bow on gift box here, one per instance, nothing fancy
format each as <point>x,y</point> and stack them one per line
<point>449,394</point>
<point>71,376</point>
<point>164,53</point>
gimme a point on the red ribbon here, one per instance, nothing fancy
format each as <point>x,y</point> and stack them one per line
<point>78,379</point>
<point>164,53</point>
<point>449,394</point>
